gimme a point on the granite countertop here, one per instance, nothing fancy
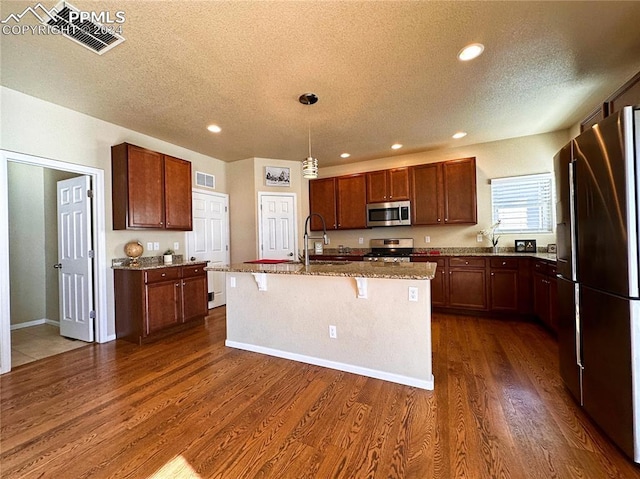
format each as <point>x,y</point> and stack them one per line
<point>147,265</point>
<point>338,268</point>
<point>449,252</point>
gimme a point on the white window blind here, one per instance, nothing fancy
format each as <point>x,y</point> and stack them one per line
<point>523,204</point>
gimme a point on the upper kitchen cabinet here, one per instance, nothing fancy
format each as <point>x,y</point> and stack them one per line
<point>352,201</point>
<point>444,193</point>
<point>628,94</point>
<point>150,190</point>
<point>342,202</point>
<point>388,185</point>
<point>322,200</point>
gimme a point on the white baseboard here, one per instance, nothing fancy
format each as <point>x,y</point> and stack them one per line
<point>349,368</point>
<point>35,322</point>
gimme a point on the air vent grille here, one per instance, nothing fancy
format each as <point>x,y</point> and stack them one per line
<point>205,179</point>
<point>92,35</point>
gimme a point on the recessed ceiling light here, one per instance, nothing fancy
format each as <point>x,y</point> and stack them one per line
<point>460,134</point>
<point>396,146</point>
<point>214,128</point>
<point>470,52</point>
<point>345,155</point>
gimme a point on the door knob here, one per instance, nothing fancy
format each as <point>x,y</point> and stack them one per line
<point>291,254</point>
<point>58,266</point>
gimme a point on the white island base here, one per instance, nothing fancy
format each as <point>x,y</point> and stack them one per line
<point>383,335</point>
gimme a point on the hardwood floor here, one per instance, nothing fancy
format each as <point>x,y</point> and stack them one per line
<point>188,406</point>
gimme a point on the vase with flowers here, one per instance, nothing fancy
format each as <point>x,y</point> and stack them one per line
<point>490,233</point>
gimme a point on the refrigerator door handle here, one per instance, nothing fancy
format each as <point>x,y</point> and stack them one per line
<point>572,216</point>
<point>578,332</point>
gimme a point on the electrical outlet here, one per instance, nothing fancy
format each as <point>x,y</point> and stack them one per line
<point>156,246</point>
<point>427,239</point>
<point>413,293</point>
<point>333,331</point>
<point>479,238</point>
<point>232,281</point>
<point>149,246</point>
<point>176,246</point>
<point>360,240</point>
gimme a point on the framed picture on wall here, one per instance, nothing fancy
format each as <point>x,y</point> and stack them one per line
<point>276,176</point>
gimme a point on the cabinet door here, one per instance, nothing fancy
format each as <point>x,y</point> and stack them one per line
<point>439,284</point>
<point>398,184</point>
<point>352,201</point>
<point>541,297</point>
<point>163,305</point>
<point>145,184</point>
<point>460,202</point>
<point>426,194</point>
<point>194,297</point>
<point>377,187</point>
<point>178,208</point>
<point>467,284</point>
<point>322,200</point>
<point>503,288</point>
<point>553,303</point>
<point>628,94</point>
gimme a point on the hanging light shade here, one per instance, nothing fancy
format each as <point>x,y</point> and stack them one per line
<point>309,164</point>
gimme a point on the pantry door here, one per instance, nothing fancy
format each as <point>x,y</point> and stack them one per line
<point>278,231</point>
<point>209,239</point>
<point>75,258</point>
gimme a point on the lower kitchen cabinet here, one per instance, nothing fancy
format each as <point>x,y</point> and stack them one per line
<point>504,291</point>
<point>467,283</point>
<point>154,301</point>
<point>545,293</point>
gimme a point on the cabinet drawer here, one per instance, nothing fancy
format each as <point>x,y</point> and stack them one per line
<point>540,267</point>
<point>163,274</point>
<point>507,263</point>
<point>195,270</point>
<point>467,262</point>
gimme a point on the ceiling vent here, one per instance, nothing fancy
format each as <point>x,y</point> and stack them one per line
<point>92,35</point>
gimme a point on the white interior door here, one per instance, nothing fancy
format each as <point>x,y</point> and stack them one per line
<point>209,239</point>
<point>75,258</point>
<point>277,226</point>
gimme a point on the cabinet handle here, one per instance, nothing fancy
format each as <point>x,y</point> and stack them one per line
<point>438,220</point>
<point>504,263</point>
<point>163,274</point>
<point>162,222</point>
<point>177,285</point>
<point>195,270</point>
<point>493,274</point>
<point>466,262</point>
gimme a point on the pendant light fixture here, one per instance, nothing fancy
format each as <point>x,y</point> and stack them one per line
<point>309,164</point>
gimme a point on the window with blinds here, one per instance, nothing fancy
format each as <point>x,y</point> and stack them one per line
<point>523,204</point>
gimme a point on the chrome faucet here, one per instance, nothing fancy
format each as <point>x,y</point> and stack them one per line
<point>324,236</point>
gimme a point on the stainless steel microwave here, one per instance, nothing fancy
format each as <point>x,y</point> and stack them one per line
<point>393,213</point>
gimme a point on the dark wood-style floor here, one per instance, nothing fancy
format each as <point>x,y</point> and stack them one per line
<point>188,406</point>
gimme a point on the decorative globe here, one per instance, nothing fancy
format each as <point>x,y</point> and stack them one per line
<point>133,249</point>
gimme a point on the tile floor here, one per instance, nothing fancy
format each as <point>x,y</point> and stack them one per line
<point>37,342</point>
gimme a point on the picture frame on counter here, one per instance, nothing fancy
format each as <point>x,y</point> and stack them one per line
<point>525,246</point>
<point>277,176</point>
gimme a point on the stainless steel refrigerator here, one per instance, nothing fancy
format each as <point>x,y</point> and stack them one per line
<point>598,181</point>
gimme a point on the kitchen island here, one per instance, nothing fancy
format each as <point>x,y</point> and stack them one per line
<point>372,319</point>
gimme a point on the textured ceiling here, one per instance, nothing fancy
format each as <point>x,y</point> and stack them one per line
<point>385,72</point>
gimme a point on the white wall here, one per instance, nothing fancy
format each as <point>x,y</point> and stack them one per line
<point>519,156</point>
<point>35,127</point>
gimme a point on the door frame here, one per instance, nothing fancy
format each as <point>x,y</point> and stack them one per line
<point>262,194</point>
<point>98,210</point>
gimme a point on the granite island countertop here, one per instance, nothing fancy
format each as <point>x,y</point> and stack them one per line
<point>358,269</point>
<point>155,265</point>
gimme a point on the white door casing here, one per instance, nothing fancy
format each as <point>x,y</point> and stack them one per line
<point>209,239</point>
<point>277,236</point>
<point>75,258</point>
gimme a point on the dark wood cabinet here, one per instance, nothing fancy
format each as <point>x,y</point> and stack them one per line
<point>352,201</point>
<point>439,283</point>
<point>149,302</point>
<point>504,290</point>
<point>388,185</point>
<point>444,193</point>
<point>322,200</point>
<point>149,189</point>
<point>592,118</point>
<point>545,293</point>
<point>342,202</point>
<point>628,94</point>
<point>467,283</point>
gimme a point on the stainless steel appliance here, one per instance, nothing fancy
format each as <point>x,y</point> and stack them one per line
<point>395,250</point>
<point>392,213</point>
<point>598,180</point>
